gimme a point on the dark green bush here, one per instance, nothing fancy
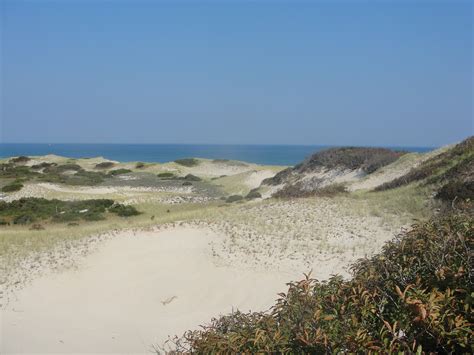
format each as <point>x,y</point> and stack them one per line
<point>234,198</point>
<point>166,176</point>
<point>124,211</point>
<point>189,162</point>
<point>297,191</point>
<point>191,177</point>
<point>23,219</point>
<point>416,296</point>
<point>27,210</point>
<point>12,187</point>
<point>105,165</point>
<point>20,159</point>
<point>457,189</point>
<point>187,183</point>
<point>119,172</point>
<point>253,194</point>
<point>43,165</point>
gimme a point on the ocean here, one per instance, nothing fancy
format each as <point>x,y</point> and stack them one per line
<point>260,154</point>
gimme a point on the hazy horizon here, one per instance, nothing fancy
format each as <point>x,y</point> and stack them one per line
<point>263,73</point>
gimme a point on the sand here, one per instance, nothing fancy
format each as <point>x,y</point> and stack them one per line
<point>133,292</point>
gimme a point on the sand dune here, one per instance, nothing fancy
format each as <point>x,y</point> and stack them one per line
<point>134,291</point>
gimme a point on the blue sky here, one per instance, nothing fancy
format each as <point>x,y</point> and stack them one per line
<point>261,72</point>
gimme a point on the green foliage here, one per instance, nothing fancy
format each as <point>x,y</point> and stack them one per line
<point>20,160</point>
<point>166,176</point>
<point>296,190</point>
<point>16,172</point>
<point>414,296</point>
<point>234,198</point>
<point>119,172</point>
<point>12,187</point>
<point>124,211</point>
<point>105,165</point>
<point>28,210</point>
<point>189,162</point>
<point>191,177</point>
<point>253,194</point>
<point>456,189</point>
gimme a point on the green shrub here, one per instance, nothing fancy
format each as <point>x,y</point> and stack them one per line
<point>191,177</point>
<point>27,210</point>
<point>43,165</point>
<point>20,159</point>
<point>23,219</point>
<point>187,183</point>
<point>189,162</point>
<point>253,194</point>
<point>105,165</point>
<point>12,187</point>
<point>416,296</point>
<point>140,165</point>
<point>297,191</point>
<point>124,211</point>
<point>234,198</point>
<point>457,189</point>
<point>166,176</point>
<point>119,172</point>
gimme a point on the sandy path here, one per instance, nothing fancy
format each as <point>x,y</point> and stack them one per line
<point>131,293</point>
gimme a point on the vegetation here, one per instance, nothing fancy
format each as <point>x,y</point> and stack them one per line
<point>105,165</point>
<point>124,211</point>
<point>189,162</point>
<point>367,159</point>
<point>119,172</point>
<point>414,296</point>
<point>166,176</point>
<point>20,160</point>
<point>191,177</point>
<point>297,191</point>
<point>253,194</point>
<point>454,164</point>
<point>234,198</point>
<point>12,187</point>
<point>28,210</point>
<point>140,165</point>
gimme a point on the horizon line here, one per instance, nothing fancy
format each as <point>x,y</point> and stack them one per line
<point>239,144</point>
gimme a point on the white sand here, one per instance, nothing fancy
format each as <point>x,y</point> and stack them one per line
<point>131,293</point>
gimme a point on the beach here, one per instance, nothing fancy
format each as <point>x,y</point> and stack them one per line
<point>129,285</point>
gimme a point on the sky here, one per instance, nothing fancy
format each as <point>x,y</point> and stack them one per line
<point>240,72</point>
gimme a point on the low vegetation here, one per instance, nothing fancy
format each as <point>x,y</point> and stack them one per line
<point>297,191</point>
<point>456,163</point>
<point>167,176</point>
<point>191,177</point>
<point>29,210</point>
<point>105,165</point>
<point>119,172</point>
<point>351,158</point>
<point>188,162</point>
<point>20,160</point>
<point>234,198</point>
<point>12,187</point>
<point>253,194</point>
<point>414,296</point>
